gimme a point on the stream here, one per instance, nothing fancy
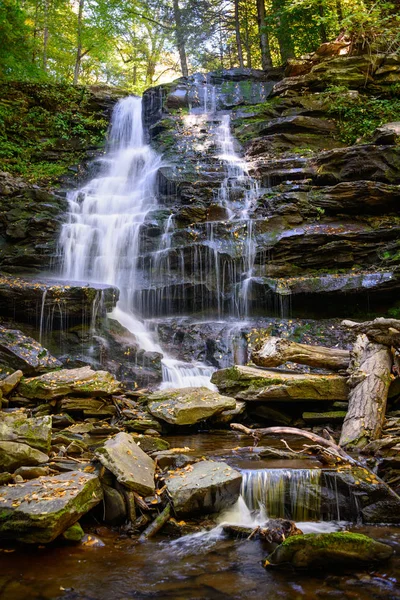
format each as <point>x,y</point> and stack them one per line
<point>204,566</point>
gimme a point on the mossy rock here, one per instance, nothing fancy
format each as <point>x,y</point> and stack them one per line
<point>328,550</point>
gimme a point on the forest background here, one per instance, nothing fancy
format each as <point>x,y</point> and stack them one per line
<point>135,44</point>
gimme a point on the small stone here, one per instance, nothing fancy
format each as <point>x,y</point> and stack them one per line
<point>74,533</point>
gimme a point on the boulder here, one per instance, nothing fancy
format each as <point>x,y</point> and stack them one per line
<point>250,383</point>
<point>34,432</point>
<point>10,382</point>
<point>15,454</point>
<point>329,550</point>
<point>132,467</point>
<point>83,381</point>
<point>38,511</point>
<point>188,406</point>
<point>21,352</point>
<point>150,444</point>
<point>387,134</point>
<point>89,407</point>
<point>202,488</point>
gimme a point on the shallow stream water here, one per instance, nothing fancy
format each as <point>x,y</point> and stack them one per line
<point>203,566</point>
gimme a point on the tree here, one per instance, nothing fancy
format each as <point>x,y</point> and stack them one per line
<point>266,60</point>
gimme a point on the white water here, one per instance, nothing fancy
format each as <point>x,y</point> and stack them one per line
<point>101,241</point>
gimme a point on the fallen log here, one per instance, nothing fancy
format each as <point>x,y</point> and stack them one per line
<point>381,330</point>
<point>156,525</point>
<point>369,381</point>
<point>277,351</point>
<point>323,448</point>
<point>252,383</point>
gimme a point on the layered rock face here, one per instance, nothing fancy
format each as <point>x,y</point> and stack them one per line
<point>303,216</point>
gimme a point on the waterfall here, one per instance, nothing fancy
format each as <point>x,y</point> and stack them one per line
<point>285,493</point>
<point>101,240</point>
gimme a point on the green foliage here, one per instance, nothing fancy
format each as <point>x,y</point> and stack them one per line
<point>35,118</point>
<point>357,116</point>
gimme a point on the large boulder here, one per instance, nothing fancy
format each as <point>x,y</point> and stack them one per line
<point>38,511</point>
<point>205,487</point>
<point>19,351</point>
<point>132,467</point>
<point>329,550</point>
<point>83,381</point>
<point>10,382</point>
<point>188,406</point>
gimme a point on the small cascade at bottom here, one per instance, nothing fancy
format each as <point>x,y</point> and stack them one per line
<point>283,493</point>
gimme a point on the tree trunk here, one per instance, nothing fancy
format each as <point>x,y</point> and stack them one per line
<point>285,40</point>
<point>276,351</point>
<point>237,33</point>
<point>78,42</point>
<point>180,39</point>
<point>45,32</point>
<point>266,60</point>
<point>381,330</point>
<point>322,28</point>
<point>247,35</point>
<point>369,383</point>
<point>339,11</point>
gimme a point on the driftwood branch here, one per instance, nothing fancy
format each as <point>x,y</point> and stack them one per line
<point>369,382</point>
<point>381,330</point>
<point>277,351</point>
<point>333,449</point>
<point>156,525</point>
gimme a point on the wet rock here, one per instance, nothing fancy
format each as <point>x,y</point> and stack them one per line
<point>358,495</point>
<point>205,487</point>
<point>226,416</point>
<point>74,533</point>
<point>275,531</point>
<point>21,352</point>
<point>332,416</point>
<point>130,465</point>
<point>89,407</point>
<point>10,382</point>
<point>34,432</point>
<point>114,506</point>
<point>14,455</point>
<point>83,381</point>
<point>150,444</point>
<point>26,299</point>
<point>188,406</point>
<point>329,550</point>
<point>250,383</point>
<point>40,510</point>
<point>172,459</point>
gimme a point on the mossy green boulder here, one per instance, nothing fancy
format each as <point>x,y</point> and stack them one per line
<point>83,381</point>
<point>328,550</point>
<point>188,406</point>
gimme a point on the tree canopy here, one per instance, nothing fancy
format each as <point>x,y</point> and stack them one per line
<point>139,43</point>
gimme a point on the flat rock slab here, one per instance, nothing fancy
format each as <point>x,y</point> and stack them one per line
<point>35,432</point>
<point>83,381</point>
<point>203,488</point>
<point>15,454</point>
<point>132,467</point>
<point>22,297</point>
<point>329,550</point>
<point>90,407</point>
<point>19,351</point>
<point>250,383</point>
<point>40,510</point>
<point>188,406</point>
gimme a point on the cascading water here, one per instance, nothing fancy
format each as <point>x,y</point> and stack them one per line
<point>101,241</point>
